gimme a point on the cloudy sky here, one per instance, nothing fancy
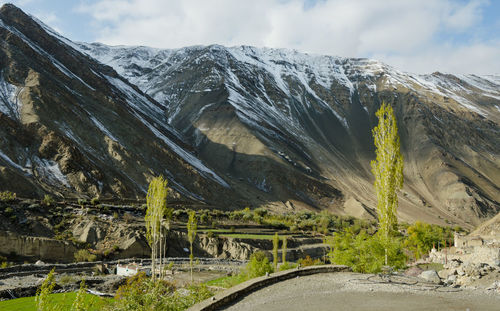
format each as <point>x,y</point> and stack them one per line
<point>422,36</point>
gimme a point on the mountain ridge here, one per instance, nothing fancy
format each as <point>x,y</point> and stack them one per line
<point>247,126</point>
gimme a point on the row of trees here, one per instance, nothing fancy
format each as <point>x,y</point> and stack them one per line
<point>387,169</point>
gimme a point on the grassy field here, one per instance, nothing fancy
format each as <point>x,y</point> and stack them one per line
<point>61,302</point>
<point>226,281</point>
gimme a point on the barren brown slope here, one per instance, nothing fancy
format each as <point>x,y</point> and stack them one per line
<point>267,118</point>
<point>72,126</point>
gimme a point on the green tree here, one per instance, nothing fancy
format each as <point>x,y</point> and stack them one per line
<point>42,297</point>
<point>388,169</point>
<point>365,253</point>
<point>191,227</point>
<point>283,250</point>
<point>258,265</point>
<point>156,201</point>
<point>79,303</point>
<point>276,241</point>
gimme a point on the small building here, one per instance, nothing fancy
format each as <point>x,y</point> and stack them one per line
<point>130,269</point>
<point>462,241</point>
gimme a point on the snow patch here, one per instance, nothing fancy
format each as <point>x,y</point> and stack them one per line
<point>103,128</point>
<point>49,171</point>
<point>9,103</point>
<point>13,164</point>
<point>41,51</point>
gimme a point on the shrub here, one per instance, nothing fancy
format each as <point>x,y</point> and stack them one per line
<point>257,266</point>
<point>42,297</point>
<point>82,202</point>
<point>7,196</point>
<point>47,200</point>
<point>84,255</point>
<point>80,304</point>
<point>94,201</point>
<point>422,237</point>
<point>365,253</point>
<point>9,211</point>
<point>287,266</point>
<point>308,261</point>
<point>141,293</point>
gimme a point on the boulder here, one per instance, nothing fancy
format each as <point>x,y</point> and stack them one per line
<point>447,272</point>
<point>430,276</point>
<point>451,279</point>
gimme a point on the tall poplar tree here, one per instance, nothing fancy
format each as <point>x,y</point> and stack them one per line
<point>192,226</point>
<point>156,201</point>
<point>387,168</point>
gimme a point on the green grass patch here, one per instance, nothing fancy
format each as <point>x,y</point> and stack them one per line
<point>252,236</point>
<point>226,281</point>
<point>62,301</point>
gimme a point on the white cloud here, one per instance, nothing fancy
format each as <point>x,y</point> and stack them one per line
<point>401,32</point>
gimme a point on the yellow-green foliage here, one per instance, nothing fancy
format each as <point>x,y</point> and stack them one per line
<point>422,237</point>
<point>141,293</point>
<point>42,298</point>
<point>283,250</point>
<point>276,241</point>
<point>192,226</point>
<point>387,168</point>
<point>258,265</point>
<point>156,201</point>
<point>7,196</point>
<point>79,304</point>
<point>84,255</point>
<point>308,261</point>
<point>47,200</point>
<point>365,253</point>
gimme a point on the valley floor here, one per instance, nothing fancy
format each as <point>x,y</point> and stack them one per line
<point>359,292</point>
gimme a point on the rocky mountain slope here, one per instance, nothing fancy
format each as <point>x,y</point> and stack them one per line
<point>240,126</point>
<point>72,126</point>
<point>279,120</point>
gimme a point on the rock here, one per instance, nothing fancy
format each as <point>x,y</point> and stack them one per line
<point>447,272</point>
<point>413,271</point>
<point>431,276</point>
<point>454,263</point>
<point>451,279</point>
<point>39,263</point>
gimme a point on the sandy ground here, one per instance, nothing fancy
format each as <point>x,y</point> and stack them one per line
<point>352,291</point>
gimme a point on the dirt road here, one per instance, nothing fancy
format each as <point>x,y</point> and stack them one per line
<point>352,291</point>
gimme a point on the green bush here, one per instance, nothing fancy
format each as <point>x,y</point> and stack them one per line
<point>422,237</point>
<point>9,211</point>
<point>365,253</point>
<point>47,200</point>
<point>84,255</point>
<point>287,266</point>
<point>94,201</point>
<point>141,293</point>
<point>308,261</point>
<point>7,196</point>
<point>258,265</point>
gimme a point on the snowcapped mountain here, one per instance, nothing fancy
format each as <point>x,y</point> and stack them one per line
<point>280,120</point>
<point>73,126</point>
<point>239,126</point>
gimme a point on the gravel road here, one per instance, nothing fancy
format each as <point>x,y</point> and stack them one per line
<point>352,291</point>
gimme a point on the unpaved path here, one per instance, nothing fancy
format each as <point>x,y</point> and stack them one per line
<point>352,291</point>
